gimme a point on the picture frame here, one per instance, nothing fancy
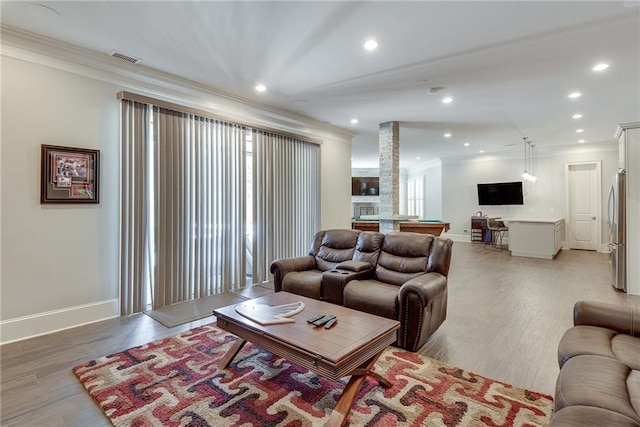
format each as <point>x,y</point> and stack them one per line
<point>69,175</point>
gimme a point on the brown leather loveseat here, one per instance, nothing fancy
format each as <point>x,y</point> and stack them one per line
<point>599,380</point>
<point>399,275</point>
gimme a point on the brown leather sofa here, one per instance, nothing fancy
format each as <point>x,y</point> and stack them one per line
<point>399,275</point>
<point>599,380</point>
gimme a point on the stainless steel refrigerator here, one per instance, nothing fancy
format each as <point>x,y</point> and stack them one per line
<point>616,219</point>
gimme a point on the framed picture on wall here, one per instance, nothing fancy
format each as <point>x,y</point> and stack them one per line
<point>69,175</point>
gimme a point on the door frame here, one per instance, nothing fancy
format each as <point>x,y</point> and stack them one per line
<point>568,223</point>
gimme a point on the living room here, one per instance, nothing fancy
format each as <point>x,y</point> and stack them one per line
<point>60,263</point>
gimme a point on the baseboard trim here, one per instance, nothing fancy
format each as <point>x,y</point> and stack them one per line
<point>540,255</point>
<point>34,325</point>
<point>467,238</point>
<point>457,237</point>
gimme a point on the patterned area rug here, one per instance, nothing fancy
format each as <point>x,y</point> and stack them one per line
<point>175,382</point>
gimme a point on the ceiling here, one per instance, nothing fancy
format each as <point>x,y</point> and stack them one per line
<point>509,66</point>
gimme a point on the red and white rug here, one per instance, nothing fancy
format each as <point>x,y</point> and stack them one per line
<point>176,382</point>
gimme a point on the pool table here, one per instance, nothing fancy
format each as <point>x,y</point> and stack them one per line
<point>420,226</point>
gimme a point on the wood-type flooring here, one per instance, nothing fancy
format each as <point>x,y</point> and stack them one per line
<point>505,318</point>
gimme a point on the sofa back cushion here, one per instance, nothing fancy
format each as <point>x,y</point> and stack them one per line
<point>331,247</point>
<point>403,256</point>
<point>368,247</point>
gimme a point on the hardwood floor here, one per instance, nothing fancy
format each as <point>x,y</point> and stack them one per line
<point>505,317</point>
<point>506,314</point>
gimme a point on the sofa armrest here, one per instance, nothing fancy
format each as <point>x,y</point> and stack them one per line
<point>423,308</point>
<point>356,266</point>
<point>426,287</point>
<point>625,320</point>
<point>280,267</point>
<point>334,281</point>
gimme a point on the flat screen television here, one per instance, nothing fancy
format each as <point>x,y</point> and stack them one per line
<point>500,193</point>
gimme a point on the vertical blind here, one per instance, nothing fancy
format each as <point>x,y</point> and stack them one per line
<point>135,246</point>
<point>199,183</point>
<point>286,195</point>
<point>184,204</point>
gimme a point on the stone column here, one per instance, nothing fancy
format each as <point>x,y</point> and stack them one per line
<point>389,140</point>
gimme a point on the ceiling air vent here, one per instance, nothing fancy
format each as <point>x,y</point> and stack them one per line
<point>124,57</point>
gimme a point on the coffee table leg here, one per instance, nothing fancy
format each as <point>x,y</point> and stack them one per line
<point>382,380</point>
<point>339,414</point>
<point>227,358</point>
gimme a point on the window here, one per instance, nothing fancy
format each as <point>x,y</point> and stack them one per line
<point>415,196</point>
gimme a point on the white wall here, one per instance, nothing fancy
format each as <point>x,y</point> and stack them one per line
<point>60,263</point>
<point>56,256</point>
<point>545,198</point>
<point>336,184</point>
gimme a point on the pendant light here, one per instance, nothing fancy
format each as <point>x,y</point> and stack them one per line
<point>532,161</point>
<point>529,172</point>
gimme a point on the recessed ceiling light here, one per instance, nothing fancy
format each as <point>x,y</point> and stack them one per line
<point>575,95</point>
<point>466,144</point>
<point>354,121</point>
<point>447,100</point>
<point>447,135</point>
<point>577,116</point>
<point>371,44</point>
<point>579,130</point>
<point>417,158</point>
<point>481,151</point>
<point>261,88</point>
<point>600,67</point>
<point>581,141</point>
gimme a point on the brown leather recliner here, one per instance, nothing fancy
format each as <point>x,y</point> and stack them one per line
<point>304,275</point>
<point>599,380</point>
<point>400,276</point>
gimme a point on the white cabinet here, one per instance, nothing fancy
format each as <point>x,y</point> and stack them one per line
<point>559,236</point>
<point>622,150</point>
<point>535,237</point>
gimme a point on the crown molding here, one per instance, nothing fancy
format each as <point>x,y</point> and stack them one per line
<point>563,150</point>
<point>27,46</point>
<point>625,126</point>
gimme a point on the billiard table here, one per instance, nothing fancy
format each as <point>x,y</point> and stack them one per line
<point>424,226</point>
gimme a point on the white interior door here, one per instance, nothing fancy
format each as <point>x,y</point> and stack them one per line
<point>584,206</point>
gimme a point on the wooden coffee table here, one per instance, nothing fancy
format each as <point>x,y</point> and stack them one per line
<point>350,347</point>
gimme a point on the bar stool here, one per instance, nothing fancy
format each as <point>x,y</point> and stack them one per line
<point>498,230</point>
